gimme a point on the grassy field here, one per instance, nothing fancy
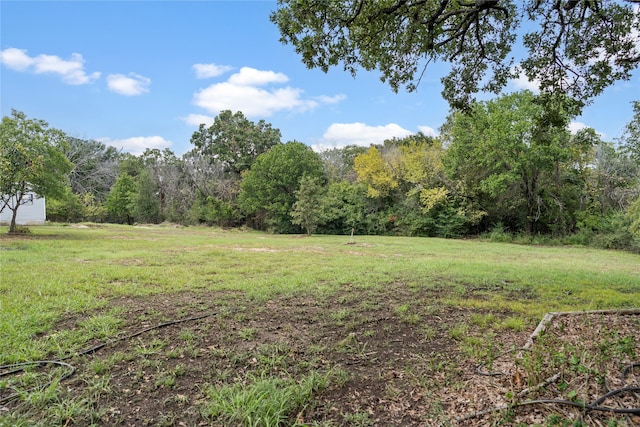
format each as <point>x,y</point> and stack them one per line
<point>316,330</point>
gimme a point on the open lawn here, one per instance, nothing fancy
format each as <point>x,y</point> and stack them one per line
<point>172,326</point>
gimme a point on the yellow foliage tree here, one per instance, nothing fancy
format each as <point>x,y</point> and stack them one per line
<point>374,171</point>
<point>431,197</point>
<point>413,165</point>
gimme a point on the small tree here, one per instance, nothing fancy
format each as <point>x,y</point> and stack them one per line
<point>145,199</point>
<point>30,162</point>
<point>344,208</point>
<point>307,208</point>
<point>120,202</point>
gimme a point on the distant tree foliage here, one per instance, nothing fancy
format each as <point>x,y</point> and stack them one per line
<point>31,160</point>
<point>574,48</point>
<point>235,141</point>
<point>379,175</point>
<point>306,211</point>
<point>268,190</point>
<point>338,162</point>
<point>520,173</point>
<point>633,218</point>
<point>120,203</point>
<point>145,200</point>
<point>95,167</point>
<point>408,165</point>
<point>74,207</point>
<point>344,207</point>
<point>505,169</point>
<point>614,179</point>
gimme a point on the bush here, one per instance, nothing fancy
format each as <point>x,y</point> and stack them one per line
<point>212,211</point>
<point>499,234</point>
<point>613,231</point>
<point>65,208</point>
<point>632,217</point>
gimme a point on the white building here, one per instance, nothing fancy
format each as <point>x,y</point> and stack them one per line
<point>32,211</point>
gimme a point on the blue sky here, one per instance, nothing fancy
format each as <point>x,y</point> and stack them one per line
<point>144,74</point>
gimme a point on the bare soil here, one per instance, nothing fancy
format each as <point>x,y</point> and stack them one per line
<point>405,366</point>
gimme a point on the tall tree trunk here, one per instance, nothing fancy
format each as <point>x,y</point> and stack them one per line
<point>531,187</point>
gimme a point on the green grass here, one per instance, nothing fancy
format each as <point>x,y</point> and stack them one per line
<point>59,270</point>
<point>264,401</point>
<point>60,288</point>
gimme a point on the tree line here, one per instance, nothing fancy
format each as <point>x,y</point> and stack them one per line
<point>500,168</point>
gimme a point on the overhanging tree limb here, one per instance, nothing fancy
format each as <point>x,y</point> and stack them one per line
<point>578,49</point>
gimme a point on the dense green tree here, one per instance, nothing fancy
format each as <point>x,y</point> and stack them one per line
<point>235,141</point>
<point>95,169</point>
<point>223,152</point>
<point>134,195</point>
<point>31,160</point>
<point>152,181</point>
<point>120,203</point>
<point>516,170</point>
<point>66,207</point>
<point>407,179</point>
<point>306,210</point>
<point>146,199</point>
<point>130,164</point>
<point>576,48</point>
<point>631,145</point>
<point>614,178</point>
<point>215,211</point>
<point>268,189</point>
<point>345,208</point>
<point>92,210</point>
<point>612,185</point>
<point>213,192</point>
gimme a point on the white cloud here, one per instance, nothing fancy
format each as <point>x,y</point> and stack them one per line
<point>71,71</point>
<point>198,119</point>
<point>428,131</point>
<point>339,135</point>
<point>205,71</point>
<point>137,144</point>
<point>251,77</point>
<point>252,101</point>
<point>255,93</point>
<point>133,84</point>
<point>324,99</point>
<point>574,127</point>
<point>523,82</point>
<point>16,59</point>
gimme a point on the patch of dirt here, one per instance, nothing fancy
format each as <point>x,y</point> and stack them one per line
<point>408,359</point>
